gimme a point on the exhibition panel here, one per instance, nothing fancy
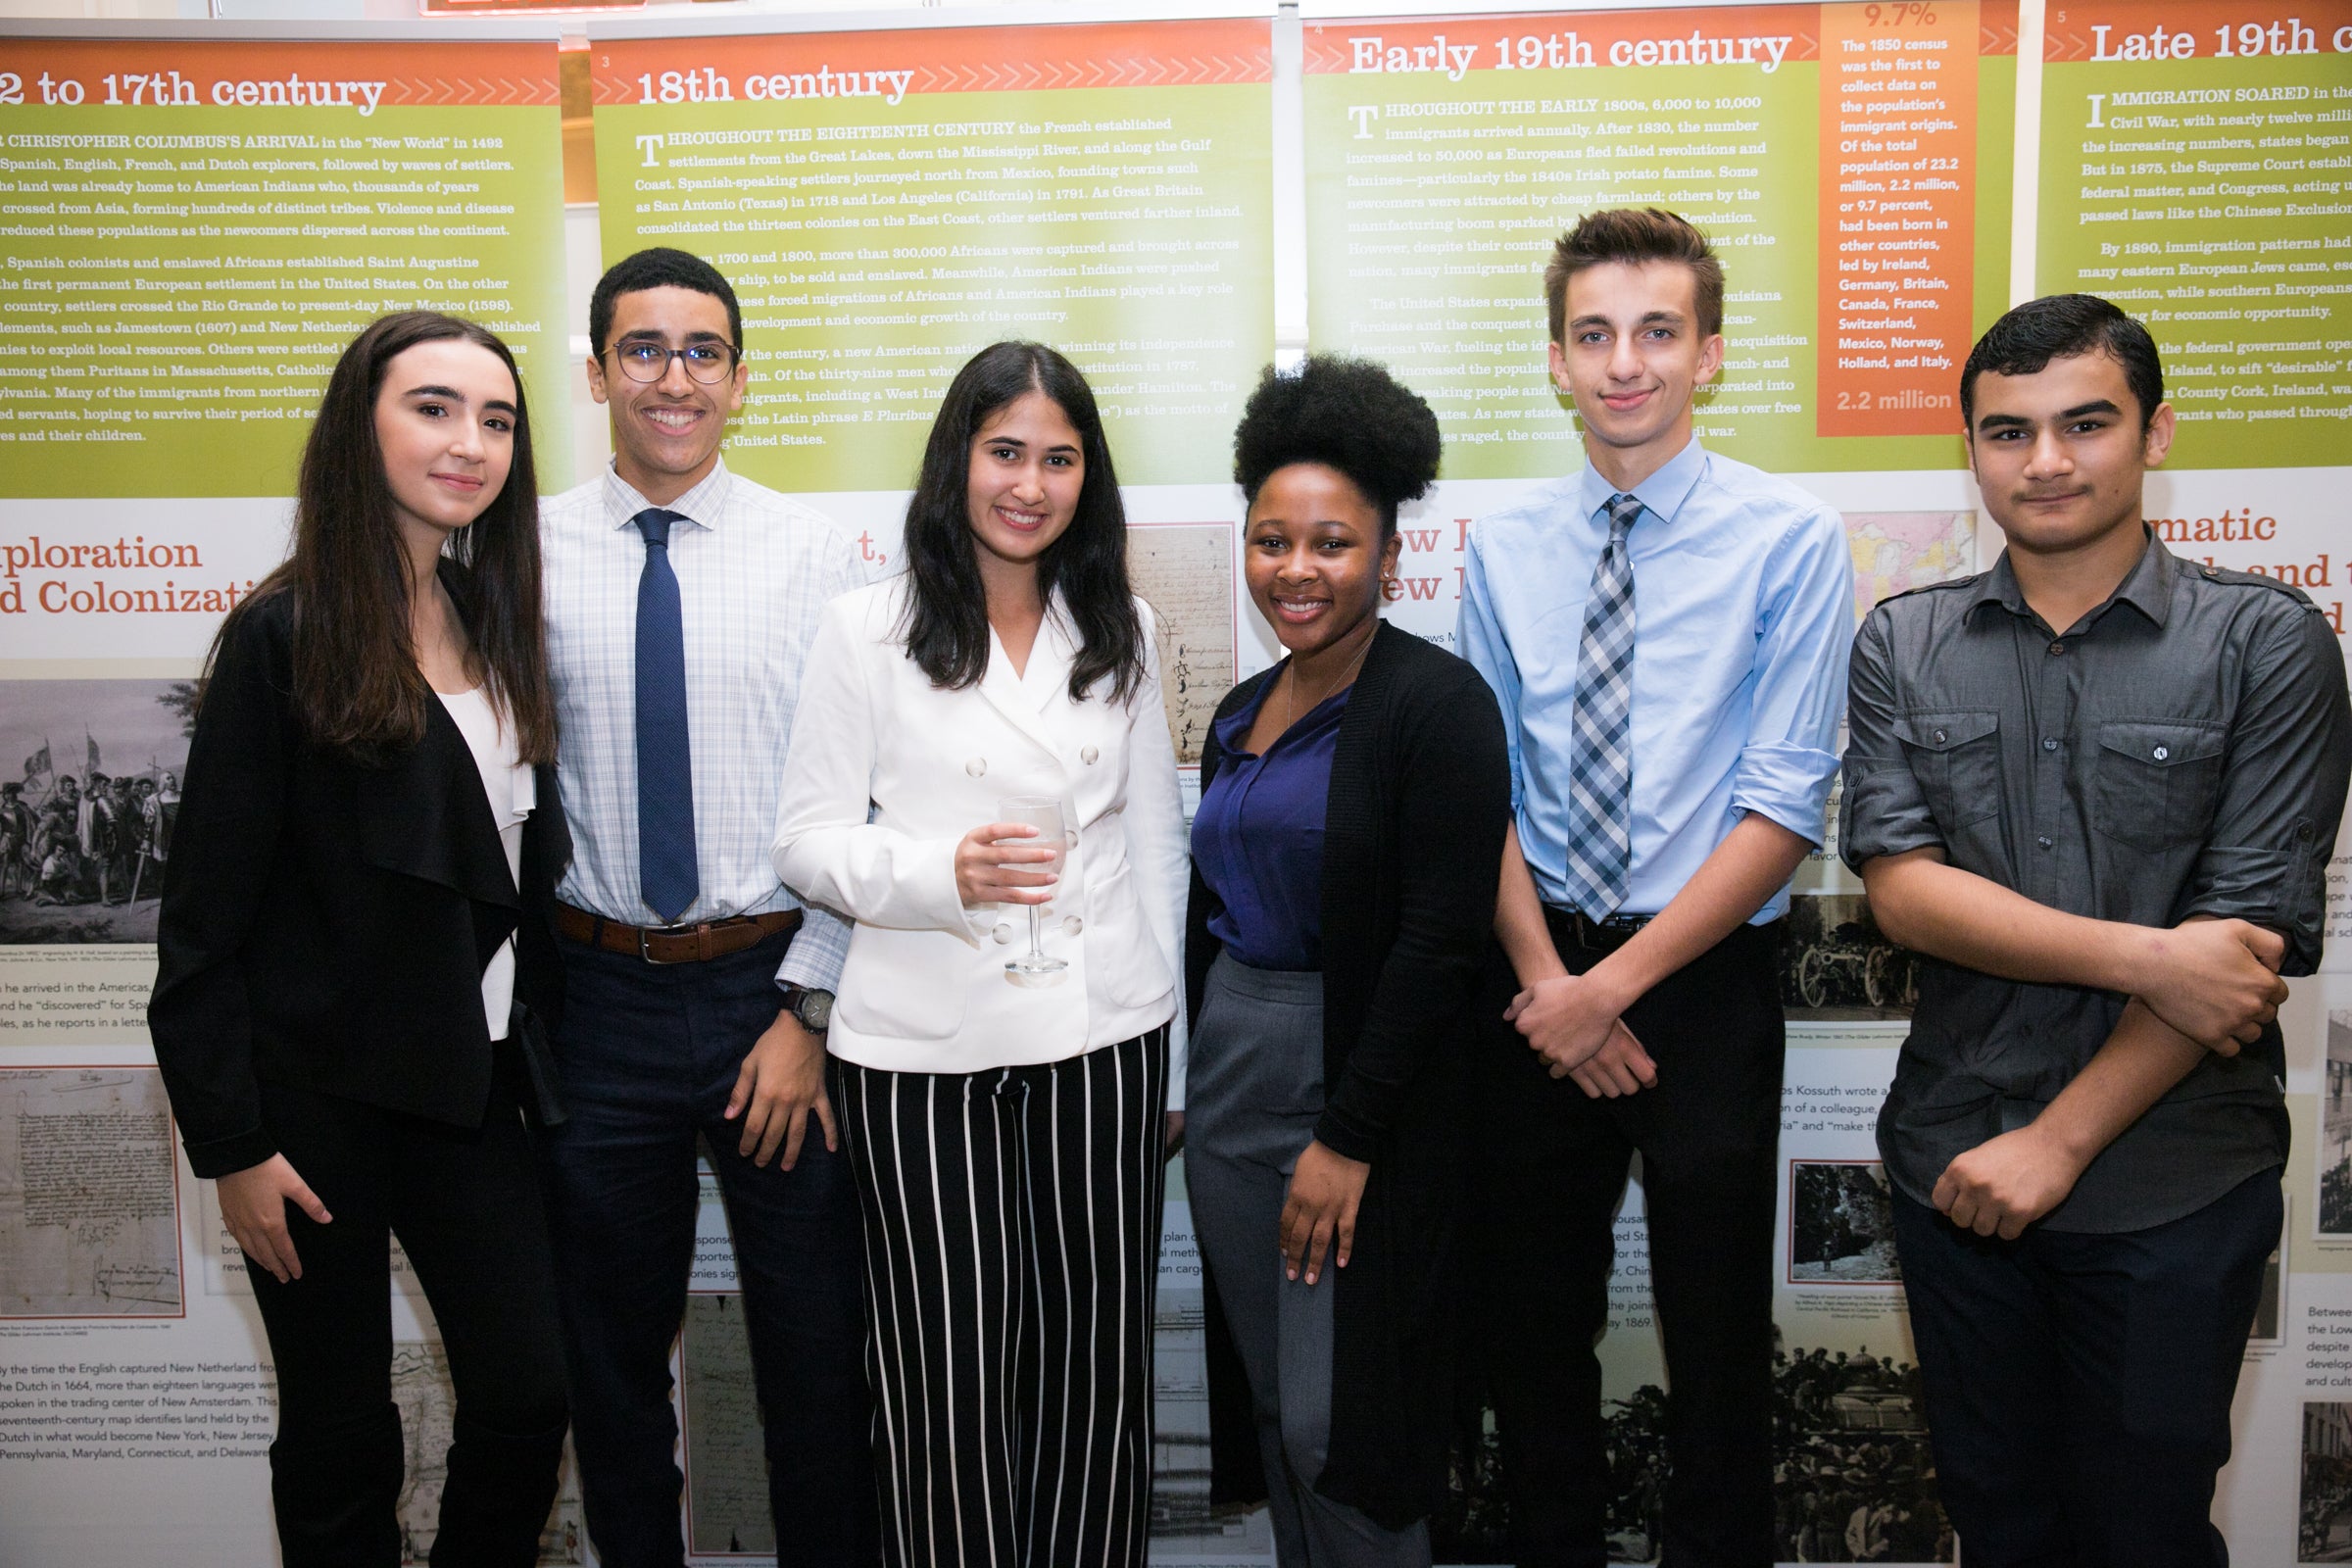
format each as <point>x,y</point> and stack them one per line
<point>1852,164</point>
<point>889,203</point>
<point>195,220</point>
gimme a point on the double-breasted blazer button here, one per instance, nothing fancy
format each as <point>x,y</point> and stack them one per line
<point>1072,926</point>
<point>1002,932</point>
<point>977,767</point>
<point>1070,837</point>
<point>1088,755</point>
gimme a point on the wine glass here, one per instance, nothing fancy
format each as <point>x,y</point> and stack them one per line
<point>1043,814</point>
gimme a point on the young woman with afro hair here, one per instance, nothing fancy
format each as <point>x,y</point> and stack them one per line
<point>1345,852</point>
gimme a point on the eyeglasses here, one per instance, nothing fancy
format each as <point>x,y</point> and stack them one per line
<point>642,360</point>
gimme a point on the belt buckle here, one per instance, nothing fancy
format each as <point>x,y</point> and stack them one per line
<point>646,935</point>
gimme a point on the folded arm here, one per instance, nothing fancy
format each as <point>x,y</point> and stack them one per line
<point>2215,981</point>
<point>2006,1183</point>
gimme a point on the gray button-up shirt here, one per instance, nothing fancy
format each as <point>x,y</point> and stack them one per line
<point>2181,750</point>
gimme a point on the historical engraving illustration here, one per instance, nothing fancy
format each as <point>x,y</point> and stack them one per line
<point>89,788</point>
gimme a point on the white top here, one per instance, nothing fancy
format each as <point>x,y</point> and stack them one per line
<point>869,822</point>
<point>754,568</point>
<point>512,790</point>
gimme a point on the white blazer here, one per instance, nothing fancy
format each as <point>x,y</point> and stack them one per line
<point>887,772</point>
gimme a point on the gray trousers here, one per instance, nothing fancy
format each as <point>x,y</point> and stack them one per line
<point>1254,1091</point>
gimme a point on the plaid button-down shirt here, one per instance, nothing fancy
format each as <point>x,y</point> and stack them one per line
<point>754,570</point>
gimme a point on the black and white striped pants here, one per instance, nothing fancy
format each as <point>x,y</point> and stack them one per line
<point>1013,1254</point>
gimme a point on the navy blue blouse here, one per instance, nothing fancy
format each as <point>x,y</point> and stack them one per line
<point>1257,837</point>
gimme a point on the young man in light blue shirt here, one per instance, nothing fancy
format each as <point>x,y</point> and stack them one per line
<point>1667,631</point>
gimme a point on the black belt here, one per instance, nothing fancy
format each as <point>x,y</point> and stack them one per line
<point>1612,932</point>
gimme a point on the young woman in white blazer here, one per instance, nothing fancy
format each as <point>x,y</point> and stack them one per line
<point>1007,1128</point>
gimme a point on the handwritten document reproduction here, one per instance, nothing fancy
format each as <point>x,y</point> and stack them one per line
<point>1185,572</point>
<point>89,1204</point>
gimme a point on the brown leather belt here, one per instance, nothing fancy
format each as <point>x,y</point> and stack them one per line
<point>674,944</point>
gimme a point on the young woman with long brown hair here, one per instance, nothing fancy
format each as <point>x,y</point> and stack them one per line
<point>1001,1042</point>
<point>354,957</point>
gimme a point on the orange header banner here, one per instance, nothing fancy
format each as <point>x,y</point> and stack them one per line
<point>891,65</point>
<point>1996,28</point>
<point>1717,37</point>
<point>358,75</point>
<point>1897,213</point>
<point>2134,31</point>
<point>1765,36</point>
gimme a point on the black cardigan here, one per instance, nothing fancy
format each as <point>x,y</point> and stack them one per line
<point>325,924</point>
<point>1413,846</point>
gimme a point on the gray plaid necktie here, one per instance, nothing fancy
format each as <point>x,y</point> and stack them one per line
<point>1600,778</point>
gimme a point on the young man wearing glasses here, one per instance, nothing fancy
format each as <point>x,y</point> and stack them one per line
<point>681,601</point>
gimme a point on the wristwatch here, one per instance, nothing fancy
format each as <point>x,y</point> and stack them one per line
<point>812,1007</point>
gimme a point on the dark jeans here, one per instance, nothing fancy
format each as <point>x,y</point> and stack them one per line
<point>649,1054</point>
<point>2079,1386</point>
<point>465,1208</point>
<point>1551,1170</point>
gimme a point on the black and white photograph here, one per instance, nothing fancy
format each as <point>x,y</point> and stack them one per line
<point>89,788</point>
<point>2336,1129</point>
<point>1836,966</point>
<point>1853,1477</point>
<point>2324,1509</point>
<point>1854,1480</point>
<point>1841,1224</point>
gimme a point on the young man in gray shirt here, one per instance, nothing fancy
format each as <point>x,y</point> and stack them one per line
<point>2097,786</point>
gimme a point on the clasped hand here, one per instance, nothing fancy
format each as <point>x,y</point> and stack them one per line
<point>2215,981</point>
<point>1573,1028</point>
<point>990,873</point>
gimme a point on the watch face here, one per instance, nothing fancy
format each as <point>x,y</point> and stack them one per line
<point>814,1008</point>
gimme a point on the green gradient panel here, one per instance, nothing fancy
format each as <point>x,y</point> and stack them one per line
<point>1145,255</point>
<point>1472,339</point>
<point>156,350</point>
<point>2249,301</point>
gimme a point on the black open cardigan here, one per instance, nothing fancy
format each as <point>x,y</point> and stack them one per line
<point>1412,843</point>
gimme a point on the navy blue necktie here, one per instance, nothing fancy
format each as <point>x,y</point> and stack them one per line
<point>666,872</point>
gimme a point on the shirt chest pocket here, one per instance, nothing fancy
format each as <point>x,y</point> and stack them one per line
<point>1956,756</point>
<point>2154,784</point>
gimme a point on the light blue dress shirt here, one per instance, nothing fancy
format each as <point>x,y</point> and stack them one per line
<point>1743,606</point>
<point>755,572</point>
